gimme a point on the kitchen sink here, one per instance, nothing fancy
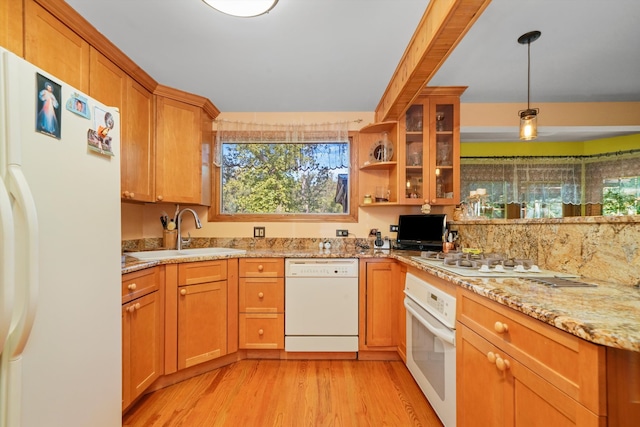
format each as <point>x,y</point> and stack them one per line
<point>184,253</point>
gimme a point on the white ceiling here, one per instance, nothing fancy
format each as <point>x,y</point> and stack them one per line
<point>339,55</point>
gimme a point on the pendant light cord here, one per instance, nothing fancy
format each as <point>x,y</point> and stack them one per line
<point>528,74</point>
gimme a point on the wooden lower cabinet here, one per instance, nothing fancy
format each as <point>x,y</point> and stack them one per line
<point>516,371</point>
<point>380,302</point>
<point>496,390</point>
<point>202,315</point>
<point>261,303</point>
<point>142,334</point>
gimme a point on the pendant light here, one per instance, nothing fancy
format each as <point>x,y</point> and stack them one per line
<point>529,117</point>
<point>242,8</point>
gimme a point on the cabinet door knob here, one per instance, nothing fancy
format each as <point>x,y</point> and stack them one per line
<point>131,308</point>
<point>126,195</point>
<point>502,364</point>
<point>260,332</point>
<point>491,357</point>
<point>260,295</point>
<point>132,287</point>
<point>260,267</point>
<point>433,201</point>
<point>137,306</point>
<point>132,195</point>
<point>159,197</point>
<point>183,291</point>
<point>500,327</point>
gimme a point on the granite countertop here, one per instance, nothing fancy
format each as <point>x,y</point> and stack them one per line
<point>608,314</point>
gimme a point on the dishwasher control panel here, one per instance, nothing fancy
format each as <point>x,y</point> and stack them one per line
<point>315,267</point>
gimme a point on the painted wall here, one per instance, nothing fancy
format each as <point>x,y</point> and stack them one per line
<point>142,221</point>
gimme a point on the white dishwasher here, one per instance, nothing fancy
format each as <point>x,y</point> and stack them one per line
<point>321,304</point>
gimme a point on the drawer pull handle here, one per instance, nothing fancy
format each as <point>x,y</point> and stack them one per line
<point>260,267</point>
<point>260,295</point>
<point>260,332</point>
<point>502,364</point>
<point>132,287</point>
<point>500,327</point>
<point>183,291</point>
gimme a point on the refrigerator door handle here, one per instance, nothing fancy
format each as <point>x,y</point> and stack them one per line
<point>7,264</point>
<point>19,188</point>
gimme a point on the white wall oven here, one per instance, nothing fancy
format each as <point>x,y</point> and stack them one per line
<point>431,351</point>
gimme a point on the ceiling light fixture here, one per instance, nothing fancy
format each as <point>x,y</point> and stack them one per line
<point>529,117</point>
<point>242,8</point>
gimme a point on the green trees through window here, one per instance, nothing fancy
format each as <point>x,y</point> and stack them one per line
<point>285,178</point>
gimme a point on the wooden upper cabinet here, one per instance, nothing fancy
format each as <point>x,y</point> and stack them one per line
<point>107,82</point>
<point>178,159</point>
<point>51,45</point>
<point>11,26</point>
<point>112,86</point>
<point>183,146</point>
<point>137,168</point>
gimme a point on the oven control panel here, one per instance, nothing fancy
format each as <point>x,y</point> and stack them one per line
<point>334,267</point>
<point>437,302</point>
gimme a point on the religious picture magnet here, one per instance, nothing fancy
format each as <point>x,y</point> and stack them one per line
<point>98,138</point>
<point>48,117</point>
<point>79,105</point>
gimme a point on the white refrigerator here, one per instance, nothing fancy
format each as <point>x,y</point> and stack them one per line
<point>60,268</point>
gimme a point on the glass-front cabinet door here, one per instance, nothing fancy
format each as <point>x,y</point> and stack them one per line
<point>444,165</point>
<point>430,148</point>
<point>414,154</point>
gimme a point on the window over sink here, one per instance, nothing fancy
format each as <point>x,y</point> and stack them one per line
<point>283,172</point>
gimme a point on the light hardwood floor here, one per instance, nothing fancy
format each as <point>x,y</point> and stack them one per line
<point>309,393</point>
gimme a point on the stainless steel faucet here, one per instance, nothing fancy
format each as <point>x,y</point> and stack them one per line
<point>179,226</point>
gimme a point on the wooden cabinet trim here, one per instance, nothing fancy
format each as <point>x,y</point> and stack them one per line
<point>187,98</point>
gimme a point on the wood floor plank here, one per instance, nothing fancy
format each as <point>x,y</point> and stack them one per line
<point>283,393</point>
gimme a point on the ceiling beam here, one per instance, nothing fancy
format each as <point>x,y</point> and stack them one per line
<point>441,28</point>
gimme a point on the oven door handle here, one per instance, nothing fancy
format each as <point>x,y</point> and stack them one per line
<point>431,323</point>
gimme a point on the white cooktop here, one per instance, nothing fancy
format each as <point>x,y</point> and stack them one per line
<point>475,272</point>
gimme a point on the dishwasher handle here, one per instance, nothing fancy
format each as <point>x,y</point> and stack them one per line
<point>430,322</point>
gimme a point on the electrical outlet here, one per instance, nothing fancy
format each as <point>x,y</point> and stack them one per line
<point>342,233</point>
<point>393,228</point>
<point>258,231</point>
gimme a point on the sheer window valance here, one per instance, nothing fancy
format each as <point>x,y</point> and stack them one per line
<point>234,132</point>
<point>575,180</point>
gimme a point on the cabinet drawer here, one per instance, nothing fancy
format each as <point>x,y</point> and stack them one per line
<point>139,283</point>
<point>262,267</point>
<point>192,273</point>
<point>575,366</point>
<point>261,295</point>
<point>262,331</point>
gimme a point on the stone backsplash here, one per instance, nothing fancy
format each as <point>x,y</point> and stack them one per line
<point>597,247</point>
<point>603,248</point>
<point>278,244</point>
